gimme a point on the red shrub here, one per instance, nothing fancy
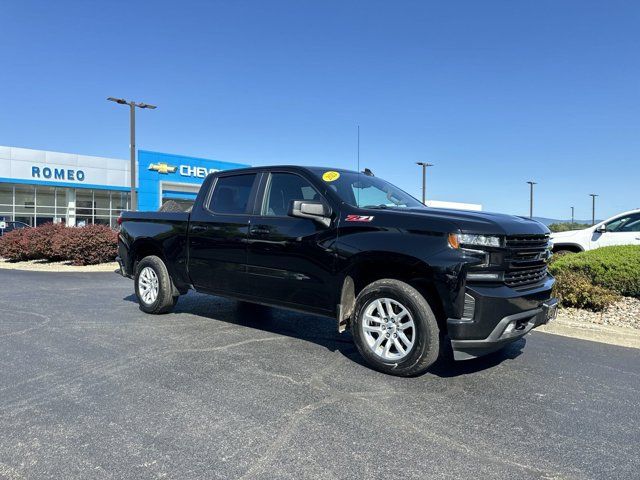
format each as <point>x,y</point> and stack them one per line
<point>82,246</point>
<point>15,245</point>
<point>41,241</point>
<point>88,245</point>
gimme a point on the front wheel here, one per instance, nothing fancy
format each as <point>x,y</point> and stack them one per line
<point>395,329</point>
<point>153,286</point>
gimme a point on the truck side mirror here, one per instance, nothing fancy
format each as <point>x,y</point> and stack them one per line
<point>601,229</point>
<point>311,209</point>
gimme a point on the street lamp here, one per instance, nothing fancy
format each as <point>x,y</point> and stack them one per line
<point>531,199</point>
<point>424,166</point>
<point>132,114</point>
<point>572,215</point>
<point>593,207</point>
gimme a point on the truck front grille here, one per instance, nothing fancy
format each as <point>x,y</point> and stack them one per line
<point>526,260</point>
<point>525,278</point>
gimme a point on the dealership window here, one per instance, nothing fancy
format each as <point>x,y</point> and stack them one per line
<point>25,204</point>
<point>102,212</point>
<point>84,207</point>
<point>36,205</point>
<point>6,201</point>
<point>100,207</point>
<point>119,203</point>
<point>46,203</point>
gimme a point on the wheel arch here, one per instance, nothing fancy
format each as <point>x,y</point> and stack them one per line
<point>571,247</point>
<point>144,247</point>
<point>371,266</point>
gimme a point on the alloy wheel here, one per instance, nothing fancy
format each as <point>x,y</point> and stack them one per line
<point>148,285</point>
<point>389,329</point>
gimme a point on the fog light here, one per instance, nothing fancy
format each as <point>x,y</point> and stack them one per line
<point>510,327</point>
<point>484,276</point>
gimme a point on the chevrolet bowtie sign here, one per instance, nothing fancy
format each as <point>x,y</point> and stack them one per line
<point>183,170</point>
<point>162,168</point>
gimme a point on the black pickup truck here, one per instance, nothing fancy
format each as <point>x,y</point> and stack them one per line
<point>404,278</point>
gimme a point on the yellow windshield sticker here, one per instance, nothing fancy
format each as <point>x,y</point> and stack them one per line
<point>330,176</point>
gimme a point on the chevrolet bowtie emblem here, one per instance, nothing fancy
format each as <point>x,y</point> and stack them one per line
<point>162,168</point>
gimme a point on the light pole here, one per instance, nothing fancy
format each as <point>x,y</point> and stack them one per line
<point>531,199</point>
<point>572,215</point>
<point>132,115</point>
<point>424,166</point>
<point>593,208</point>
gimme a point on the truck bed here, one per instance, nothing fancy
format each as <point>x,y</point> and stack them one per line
<point>163,234</point>
<point>161,217</point>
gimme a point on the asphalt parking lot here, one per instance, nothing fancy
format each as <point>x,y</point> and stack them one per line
<point>90,387</point>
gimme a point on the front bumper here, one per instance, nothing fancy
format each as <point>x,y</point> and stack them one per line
<point>501,315</point>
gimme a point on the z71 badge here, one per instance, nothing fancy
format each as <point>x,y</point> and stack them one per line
<point>359,218</point>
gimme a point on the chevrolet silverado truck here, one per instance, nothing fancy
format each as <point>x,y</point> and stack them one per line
<point>405,279</point>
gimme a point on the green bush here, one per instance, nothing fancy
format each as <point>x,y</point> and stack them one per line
<point>566,226</point>
<point>575,289</point>
<point>614,268</point>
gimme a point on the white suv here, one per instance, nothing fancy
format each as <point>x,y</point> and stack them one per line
<point>623,229</point>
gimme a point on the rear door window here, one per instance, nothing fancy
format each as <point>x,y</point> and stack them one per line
<point>231,194</point>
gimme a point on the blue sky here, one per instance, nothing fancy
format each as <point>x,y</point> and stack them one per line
<point>494,92</point>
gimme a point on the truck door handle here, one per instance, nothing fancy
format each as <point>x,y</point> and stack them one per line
<point>260,231</point>
<point>199,228</point>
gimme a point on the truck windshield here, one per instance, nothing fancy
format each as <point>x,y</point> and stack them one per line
<point>365,191</point>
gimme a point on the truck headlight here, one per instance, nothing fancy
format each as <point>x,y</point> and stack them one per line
<point>456,240</point>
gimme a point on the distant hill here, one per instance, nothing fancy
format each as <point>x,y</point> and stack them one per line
<point>549,221</point>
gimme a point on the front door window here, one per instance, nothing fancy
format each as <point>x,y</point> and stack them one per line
<point>283,188</point>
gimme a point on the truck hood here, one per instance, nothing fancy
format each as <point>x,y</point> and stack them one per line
<point>481,222</point>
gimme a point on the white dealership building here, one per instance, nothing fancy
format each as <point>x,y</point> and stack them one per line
<point>38,186</point>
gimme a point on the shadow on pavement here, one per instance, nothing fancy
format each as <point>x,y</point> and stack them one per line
<point>446,367</point>
<point>320,330</point>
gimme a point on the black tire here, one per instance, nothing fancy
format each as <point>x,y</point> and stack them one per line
<point>165,300</point>
<point>426,344</point>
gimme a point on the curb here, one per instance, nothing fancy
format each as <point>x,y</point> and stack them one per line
<point>623,337</point>
<point>58,267</point>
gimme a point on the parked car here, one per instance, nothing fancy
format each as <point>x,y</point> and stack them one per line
<point>6,227</point>
<point>401,276</point>
<point>623,229</point>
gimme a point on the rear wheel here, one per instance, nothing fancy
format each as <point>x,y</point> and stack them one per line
<point>394,328</point>
<point>153,286</point>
